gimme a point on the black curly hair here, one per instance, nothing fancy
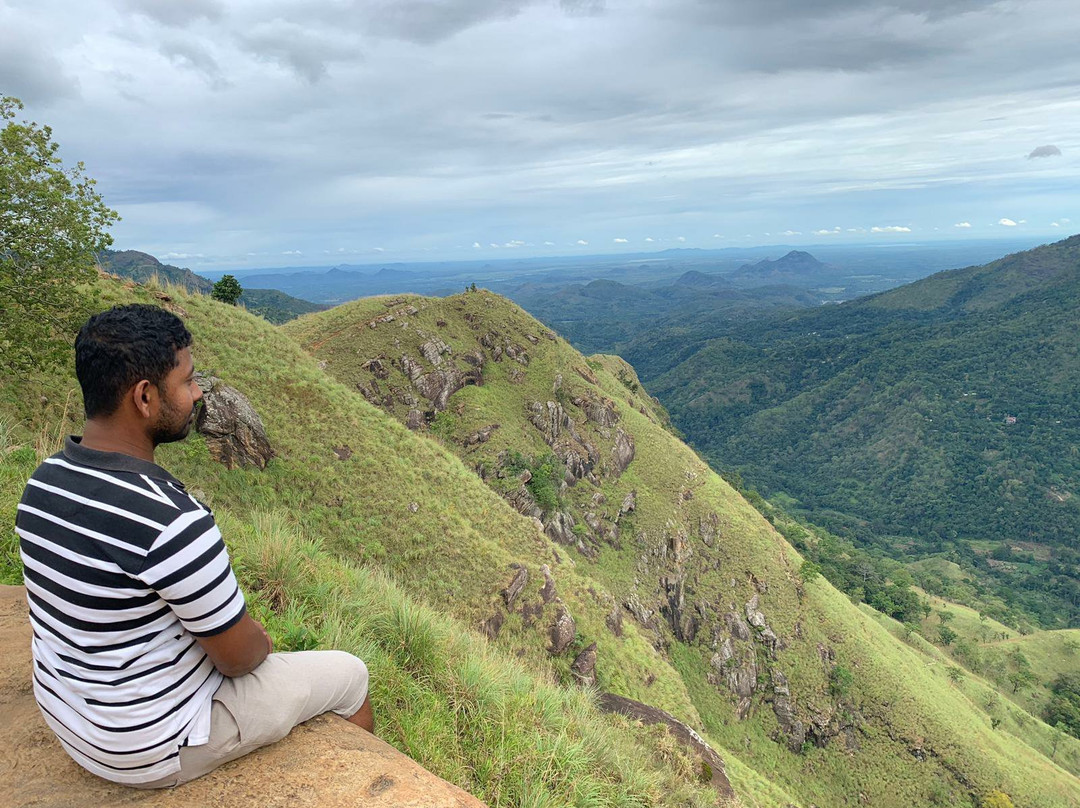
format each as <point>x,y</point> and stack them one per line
<point>120,347</point>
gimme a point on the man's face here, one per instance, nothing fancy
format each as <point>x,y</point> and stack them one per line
<point>179,395</point>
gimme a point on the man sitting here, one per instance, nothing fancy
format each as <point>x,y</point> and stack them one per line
<point>146,664</point>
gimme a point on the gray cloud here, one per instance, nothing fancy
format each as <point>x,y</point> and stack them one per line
<point>30,73</point>
<point>542,120</point>
<point>430,21</point>
<point>189,54</point>
<point>305,53</point>
<point>1045,151</point>
<point>177,13</point>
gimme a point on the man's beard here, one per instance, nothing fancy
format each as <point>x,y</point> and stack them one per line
<point>172,425</point>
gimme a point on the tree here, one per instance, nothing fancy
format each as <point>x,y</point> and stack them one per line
<point>227,290</point>
<point>52,224</point>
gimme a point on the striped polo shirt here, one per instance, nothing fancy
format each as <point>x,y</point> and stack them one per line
<point>123,569</point>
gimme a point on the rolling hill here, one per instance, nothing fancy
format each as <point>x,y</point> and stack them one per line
<point>943,412</point>
<point>409,545</point>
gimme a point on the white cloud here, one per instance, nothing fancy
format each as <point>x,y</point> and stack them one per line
<point>378,249</point>
<point>892,228</point>
<point>791,233</point>
<point>476,245</point>
<point>620,241</point>
<point>1055,224</point>
<point>649,239</point>
<point>514,244</point>
<point>1064,220</point>
<point>964,225</point>
<point>1006,222</point>
<point>582,242</point>
<point>832,232</point>
<point>716,235</point>
<point>173,256</point>
<point>681,239</point>
<point>292,252</point>
<point>549,243</point>
<point>493,244</point>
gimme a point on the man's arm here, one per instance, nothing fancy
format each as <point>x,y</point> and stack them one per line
<point>239,649</point>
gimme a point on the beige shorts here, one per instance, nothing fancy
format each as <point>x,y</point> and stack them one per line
<point>263,706</point>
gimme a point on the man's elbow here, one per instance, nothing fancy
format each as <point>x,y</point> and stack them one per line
<point>233,668</point>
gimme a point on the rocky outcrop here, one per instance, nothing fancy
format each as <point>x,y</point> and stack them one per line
<point>323,763</point>
<point>562,631</point>
<point>629,503</point>
<point>599,411</point>
<point>790,726</point>
<point>433,351</point>
<point>491,627</point>
<point>482,435</point>
<point>623,452</point>
<point>513,589</point>
<point>583,668</point>
<point>234,432</point>
<point>713,769</point>
<point>438,385</point>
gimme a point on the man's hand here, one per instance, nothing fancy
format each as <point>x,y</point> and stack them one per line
<point>240,648</point>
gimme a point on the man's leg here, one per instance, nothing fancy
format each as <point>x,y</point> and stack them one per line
<point>263,706</point>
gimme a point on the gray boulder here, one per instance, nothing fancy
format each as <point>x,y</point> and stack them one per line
<point>233,430</point>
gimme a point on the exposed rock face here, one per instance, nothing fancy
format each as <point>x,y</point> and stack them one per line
<point>550,418</point>
<point>562,632</point>
<point>547,591</point>
<point>648,714</point>
<point>623,452</point>
<point>234,432</point>
<point>433,349</point>
<point>559,527</point>
<point>683,626</point>
<point>414,420</point>
<point>482,435</point>
<point>323,763</point>
<point>583,668</point>
<point>629,503</point>
<point>513,589</point>
<point>614,621</point>
<point>377,367</point>
<point>439,385</point>
<point>522,501</point>
<point>600,412</point>
<point>736,626</point>
<point>753,616</point>
<point>491,627</point>
<point>709,528</point>
<point>792,728</point>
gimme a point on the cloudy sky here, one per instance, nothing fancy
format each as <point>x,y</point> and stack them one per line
<point>272,132</point>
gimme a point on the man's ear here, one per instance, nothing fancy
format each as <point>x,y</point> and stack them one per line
<point>144,395</point>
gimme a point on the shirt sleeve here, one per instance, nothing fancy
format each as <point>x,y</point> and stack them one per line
<point>188,566</point>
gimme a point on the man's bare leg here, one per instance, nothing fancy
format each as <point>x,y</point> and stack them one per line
<point>363,717</point>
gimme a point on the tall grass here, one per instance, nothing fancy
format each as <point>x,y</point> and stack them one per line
<point>470,713</point>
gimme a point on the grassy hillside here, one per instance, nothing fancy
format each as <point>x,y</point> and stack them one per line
<point>943,412</point>
<point>821,701</point>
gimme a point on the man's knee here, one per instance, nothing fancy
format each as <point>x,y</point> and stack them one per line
<point>355,681</point>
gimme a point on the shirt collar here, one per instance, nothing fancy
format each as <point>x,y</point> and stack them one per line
<point>113,461</point>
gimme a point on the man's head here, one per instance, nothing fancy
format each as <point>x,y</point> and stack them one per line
<point>135,361</point>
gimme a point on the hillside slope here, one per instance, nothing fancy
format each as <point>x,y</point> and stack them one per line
<point>791,680</point>
<point>944,410</point>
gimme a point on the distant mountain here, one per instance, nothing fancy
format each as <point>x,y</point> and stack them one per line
<point>944,411</point>
<point>797,268</point>
<point>275,306</point>
<point>699,280</point>
<point>141,267</point>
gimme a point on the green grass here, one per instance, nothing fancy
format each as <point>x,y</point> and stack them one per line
<point>320,540</point>
<point>899,705</point>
